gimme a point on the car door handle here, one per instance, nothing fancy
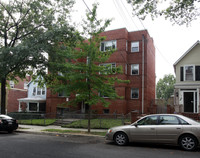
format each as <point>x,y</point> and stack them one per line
<point>152,128</point>
<point>178,128</point>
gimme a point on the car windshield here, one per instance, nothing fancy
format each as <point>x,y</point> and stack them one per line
<point>5,117</point>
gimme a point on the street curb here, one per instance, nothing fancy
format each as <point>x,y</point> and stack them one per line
<point>58,134</point>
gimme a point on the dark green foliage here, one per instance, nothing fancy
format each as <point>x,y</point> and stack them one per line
<point>29,28</point>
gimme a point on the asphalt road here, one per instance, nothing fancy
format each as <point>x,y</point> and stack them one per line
<point>22,145</point>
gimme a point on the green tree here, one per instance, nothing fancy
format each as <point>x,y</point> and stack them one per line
<point>178,11</point>
<point>82,76</point>
<point>28,28</point>
<point>165,87</point>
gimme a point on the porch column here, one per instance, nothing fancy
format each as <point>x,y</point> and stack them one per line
<point>27,106</point>
<point>19,108</point>
<point>38,106</point>
<point>82,107</point>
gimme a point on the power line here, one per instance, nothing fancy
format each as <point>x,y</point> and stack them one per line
<point>87,6</point>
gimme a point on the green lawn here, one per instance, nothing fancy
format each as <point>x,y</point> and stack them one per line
<point>72,131</point>
<point>96,123</point>
<point>41,122</point>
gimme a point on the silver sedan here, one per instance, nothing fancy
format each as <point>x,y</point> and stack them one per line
<point>159,128</point>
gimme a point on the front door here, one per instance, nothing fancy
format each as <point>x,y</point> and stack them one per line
<point>189,101</point>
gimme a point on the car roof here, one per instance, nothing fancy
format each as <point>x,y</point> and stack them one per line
<point>5,116</point>
<point>189,120</point>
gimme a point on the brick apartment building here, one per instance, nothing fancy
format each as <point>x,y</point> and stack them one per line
<point>136,54</point>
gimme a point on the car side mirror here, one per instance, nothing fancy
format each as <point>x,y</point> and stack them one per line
<point>135,124</point>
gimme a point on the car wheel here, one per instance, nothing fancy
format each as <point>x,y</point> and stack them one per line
<point>121,138</point>
<point>188,142</point>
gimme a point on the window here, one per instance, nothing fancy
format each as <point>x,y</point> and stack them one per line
<point>109,68</point>
<point>151,120</point>
<point>135,47</point>
<point>197,73</point>
<point>190,73</point>
<point>106,111</point>
<point>62,94</point>
<point>106,94</point>
<point>134,69</point>
<point>168,120</point>
<point>34,91</point>
<point>32,106</point>
<point>134,93</point>
<point>12,84</point>
<point>43,91</point>
<point>108,45</point>
<point>38,91</point>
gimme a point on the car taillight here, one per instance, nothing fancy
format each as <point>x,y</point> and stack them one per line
<point>0,121</point>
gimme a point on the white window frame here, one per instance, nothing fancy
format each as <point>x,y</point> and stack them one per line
<point>105,64</point>
<point>193,72</point>
<point>62,94</point>
<point>12,84</point>
<point>135,45</point>
<point>41,91</point>
<point>132,68</point>
<point>132,93</point>
<point>106,43</point>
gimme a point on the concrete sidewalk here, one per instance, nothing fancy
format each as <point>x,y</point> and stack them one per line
<point>39,129</point>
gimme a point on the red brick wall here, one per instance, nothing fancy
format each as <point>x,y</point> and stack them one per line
<point>16,93</point>
<point>12,96</point>
<point>123,57</point>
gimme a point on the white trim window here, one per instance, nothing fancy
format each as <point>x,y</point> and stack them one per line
<point>62,94</point>
<point>109,68</point>
<point>40,91</point>
<point>108,45</point>
<point>135,46</point>
<point>190,73</point>
<point>134,93</point>
<point>12,84</point>
<point>134,69</point>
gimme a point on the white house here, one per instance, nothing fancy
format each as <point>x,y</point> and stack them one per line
<point>187,86</point>
<point>36,100</point>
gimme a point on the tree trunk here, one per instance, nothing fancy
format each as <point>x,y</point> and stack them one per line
<point>3,96</point>
<point>89,118</point>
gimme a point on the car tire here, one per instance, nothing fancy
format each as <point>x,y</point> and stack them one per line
<point>121,139</point>
<point>188,142</point>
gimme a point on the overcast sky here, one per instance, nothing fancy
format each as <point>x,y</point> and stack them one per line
<point>171,41</point>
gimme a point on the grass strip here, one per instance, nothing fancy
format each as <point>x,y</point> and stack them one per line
<point>40,122</point>
<point>96,123</point>
<point>75,131</point>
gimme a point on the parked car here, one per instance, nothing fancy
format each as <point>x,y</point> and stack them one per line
<point>159,128</point>
<point>8,123</point>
